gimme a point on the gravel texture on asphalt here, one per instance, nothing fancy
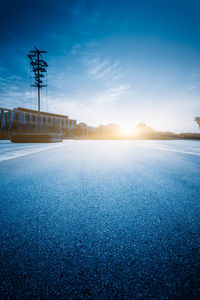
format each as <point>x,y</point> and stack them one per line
<point>101,220</point>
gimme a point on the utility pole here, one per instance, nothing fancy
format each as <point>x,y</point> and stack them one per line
<point>39,69</point>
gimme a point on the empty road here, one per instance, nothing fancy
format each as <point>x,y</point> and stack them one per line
<point>100,220</point>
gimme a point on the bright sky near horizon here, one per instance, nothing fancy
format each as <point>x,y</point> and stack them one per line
<point>115,61</point>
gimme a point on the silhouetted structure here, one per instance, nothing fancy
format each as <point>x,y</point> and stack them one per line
<point>39,69</point>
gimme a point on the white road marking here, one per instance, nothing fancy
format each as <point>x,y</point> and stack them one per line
<point>170,150</point>
<point>15,153</point>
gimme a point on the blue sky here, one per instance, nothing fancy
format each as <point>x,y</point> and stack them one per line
<point>109,61</point>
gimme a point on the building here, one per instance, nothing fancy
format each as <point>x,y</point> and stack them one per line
<point>28,120</point>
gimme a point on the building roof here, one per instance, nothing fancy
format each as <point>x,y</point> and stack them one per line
<point>41,112</point>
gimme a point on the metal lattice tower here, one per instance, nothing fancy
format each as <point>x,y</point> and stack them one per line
<point>39,69</point>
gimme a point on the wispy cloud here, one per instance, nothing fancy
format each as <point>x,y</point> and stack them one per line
<point>110,95</point>
<point>104,69</point>
<point>60,81</point>
<point>96,66</point>
<point>13,98</point>
<point>76,49</point>
<point>109,74</point>
<point>9,80</point>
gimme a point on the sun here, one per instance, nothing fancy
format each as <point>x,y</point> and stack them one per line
<point>126,130</point>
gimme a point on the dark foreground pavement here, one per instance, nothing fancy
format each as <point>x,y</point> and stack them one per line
<point>100,220</point>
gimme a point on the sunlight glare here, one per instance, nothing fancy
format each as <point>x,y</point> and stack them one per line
<point>127,130</point>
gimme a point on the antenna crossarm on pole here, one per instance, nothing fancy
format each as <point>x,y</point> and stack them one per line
<point>39,69</point>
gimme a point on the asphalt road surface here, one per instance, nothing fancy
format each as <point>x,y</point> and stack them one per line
<point>100,220</point>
